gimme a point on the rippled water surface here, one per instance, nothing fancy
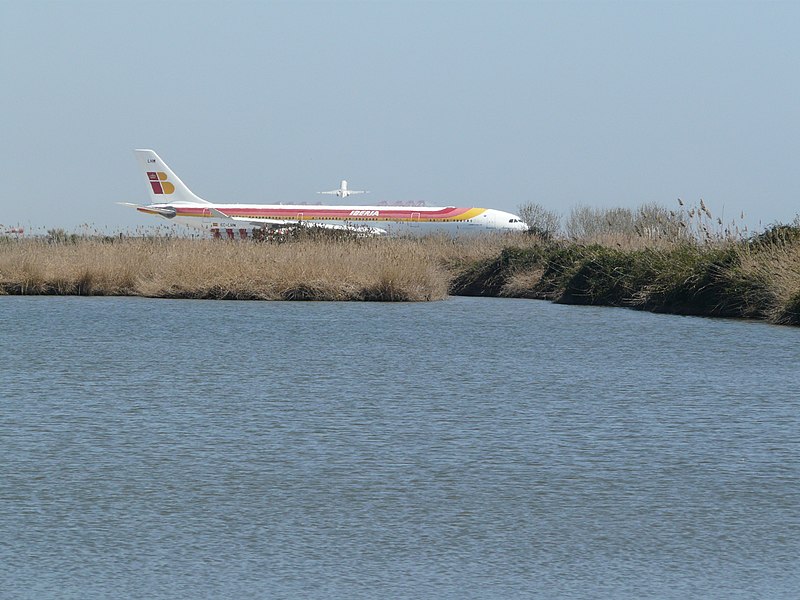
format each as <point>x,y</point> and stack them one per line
<point>471,448</point>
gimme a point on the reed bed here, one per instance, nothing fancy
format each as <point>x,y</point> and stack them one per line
<point>314,268</point>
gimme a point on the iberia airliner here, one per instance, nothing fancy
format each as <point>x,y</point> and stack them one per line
<point>171,199</point>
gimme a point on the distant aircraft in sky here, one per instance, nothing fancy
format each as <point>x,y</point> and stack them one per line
<point>343,192</point>
<point>171,199</point>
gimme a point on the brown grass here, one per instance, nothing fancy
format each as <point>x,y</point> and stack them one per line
<point>309,269</point>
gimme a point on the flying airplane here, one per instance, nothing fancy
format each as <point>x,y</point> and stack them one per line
<point>343,192</point>
<point>172,200</point>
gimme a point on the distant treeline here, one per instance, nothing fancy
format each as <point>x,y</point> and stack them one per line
<point>682,261</point>
<point>653,221</point>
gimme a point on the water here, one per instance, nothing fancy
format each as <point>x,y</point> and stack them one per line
<point>472,448</point>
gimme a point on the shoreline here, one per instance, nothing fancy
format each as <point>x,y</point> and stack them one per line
<point>756,279</point>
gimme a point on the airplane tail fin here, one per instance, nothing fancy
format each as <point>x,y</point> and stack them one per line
<point>164,186</point>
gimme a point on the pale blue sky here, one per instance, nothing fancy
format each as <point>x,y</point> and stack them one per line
<point>452,103</point>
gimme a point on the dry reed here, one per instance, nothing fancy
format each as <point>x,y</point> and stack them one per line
<point>308,269</point>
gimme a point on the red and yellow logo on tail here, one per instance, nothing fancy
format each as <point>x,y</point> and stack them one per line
<point>159,183</point>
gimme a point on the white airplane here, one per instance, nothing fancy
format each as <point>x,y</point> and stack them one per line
<point>343,192</point>
<point>172,200</point>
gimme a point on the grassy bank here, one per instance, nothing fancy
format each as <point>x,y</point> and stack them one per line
<point>757,278</point>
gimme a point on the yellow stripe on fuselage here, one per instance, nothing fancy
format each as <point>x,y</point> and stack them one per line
<point>470,214</point>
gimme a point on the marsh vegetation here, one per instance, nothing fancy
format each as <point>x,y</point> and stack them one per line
<point>307,268</point>
<point>683,261</point>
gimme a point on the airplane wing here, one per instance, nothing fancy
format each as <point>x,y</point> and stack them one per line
<point>330,192</point>
<point>267,222</point>
<point>360,230</point>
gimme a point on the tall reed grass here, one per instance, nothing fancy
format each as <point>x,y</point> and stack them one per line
<point>308,269</point>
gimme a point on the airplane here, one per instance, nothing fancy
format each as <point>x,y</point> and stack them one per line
<point>171,199</point>
<point>343,192</point>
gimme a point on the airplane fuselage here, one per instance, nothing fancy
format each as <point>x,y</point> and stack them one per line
<point>234,219</point>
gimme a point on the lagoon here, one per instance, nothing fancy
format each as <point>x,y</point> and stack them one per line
<point>470,448</point>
